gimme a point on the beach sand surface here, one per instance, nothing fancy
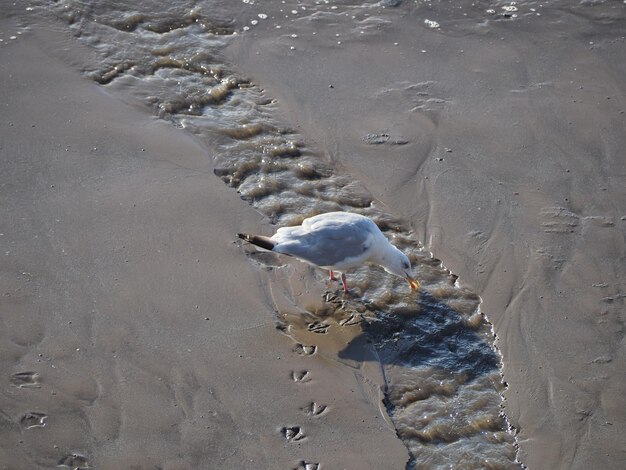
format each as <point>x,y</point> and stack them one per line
<point>135,331</point>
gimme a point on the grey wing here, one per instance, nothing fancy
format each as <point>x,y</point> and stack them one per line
<point>325,244</point>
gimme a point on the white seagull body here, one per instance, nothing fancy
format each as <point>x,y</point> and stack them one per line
<point>337,241</point>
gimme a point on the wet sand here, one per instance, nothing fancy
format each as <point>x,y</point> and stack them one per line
<point>502,142</point>
<point>461,134</point>
<point>134,332</point>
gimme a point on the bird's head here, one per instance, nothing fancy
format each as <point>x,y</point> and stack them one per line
<point>395,262</point>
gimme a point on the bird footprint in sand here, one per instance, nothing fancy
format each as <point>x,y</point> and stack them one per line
<point>26,380</point>
<point>74,461</point>
<point>318,327</point>
<point>302,465</point>
<point>33,420</point>
<point>300,376</point>
<point>304,350</point>
<point>353,319</point>
<point>314,409</point>
<point>292,433</point>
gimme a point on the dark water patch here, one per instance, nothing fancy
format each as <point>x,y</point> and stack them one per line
<point>431,334</point>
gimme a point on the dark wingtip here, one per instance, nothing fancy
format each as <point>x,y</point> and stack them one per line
<point>258,240</point>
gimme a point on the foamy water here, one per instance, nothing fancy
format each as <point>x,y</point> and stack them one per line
<point>437,350</point>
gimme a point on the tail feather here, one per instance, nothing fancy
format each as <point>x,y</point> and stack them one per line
<point>258,240</point>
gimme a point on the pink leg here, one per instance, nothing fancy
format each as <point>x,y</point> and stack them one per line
<point>332,276</point>
<point>343,281</point>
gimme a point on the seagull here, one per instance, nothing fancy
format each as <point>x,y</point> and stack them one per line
<point>337,241</point>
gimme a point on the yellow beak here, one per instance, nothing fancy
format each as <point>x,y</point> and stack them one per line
<point>414,283</point>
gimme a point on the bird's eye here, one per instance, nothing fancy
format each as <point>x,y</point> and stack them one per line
<point>406,265</point>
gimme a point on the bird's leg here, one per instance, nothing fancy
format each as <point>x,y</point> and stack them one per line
<point>332,275</point>
<point>343,281</point>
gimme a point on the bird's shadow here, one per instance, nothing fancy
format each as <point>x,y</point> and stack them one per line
<point>426,333</point>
